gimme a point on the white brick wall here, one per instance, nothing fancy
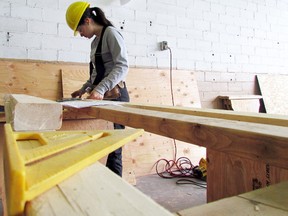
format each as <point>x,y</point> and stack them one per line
<point>227,41</point>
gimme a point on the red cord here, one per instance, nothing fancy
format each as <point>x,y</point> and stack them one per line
<point>182,167</point>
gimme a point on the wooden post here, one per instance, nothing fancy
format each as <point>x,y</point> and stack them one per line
<point>26,113</point>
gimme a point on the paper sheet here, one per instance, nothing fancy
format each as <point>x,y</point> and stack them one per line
<point>87,103</point>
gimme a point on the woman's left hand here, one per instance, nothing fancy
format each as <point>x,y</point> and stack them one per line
<point>95,96</point>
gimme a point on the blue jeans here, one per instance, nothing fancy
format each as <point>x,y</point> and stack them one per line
<point>114,160</point>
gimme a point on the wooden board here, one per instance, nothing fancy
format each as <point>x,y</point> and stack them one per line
<point>244,139</point>
<point>261,118</point>
<point>242,103</point>
<point>94,191</point>
<point>265,202</point>
<point>274,90</point>
<point>25,112</point>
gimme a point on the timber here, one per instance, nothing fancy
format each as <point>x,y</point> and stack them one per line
<point>254,141</point>
<point>261,118</point>
<point>26,112</point>
<point>267,201</point>
<point>94,191</point>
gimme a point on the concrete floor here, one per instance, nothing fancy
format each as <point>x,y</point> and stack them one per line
<point>172,196</point>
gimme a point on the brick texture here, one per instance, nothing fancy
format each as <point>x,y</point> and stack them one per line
<point>227,42</point>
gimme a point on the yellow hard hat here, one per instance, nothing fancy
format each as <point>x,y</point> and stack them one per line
<point>74,14</point>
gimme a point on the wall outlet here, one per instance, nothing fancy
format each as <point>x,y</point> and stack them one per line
<point>163,45</point>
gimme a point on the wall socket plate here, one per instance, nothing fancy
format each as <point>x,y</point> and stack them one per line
<point>163,45</point>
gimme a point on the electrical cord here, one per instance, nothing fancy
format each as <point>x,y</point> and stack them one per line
<point>182,167</point>
<point>171,78</point>
<point>189,181</point>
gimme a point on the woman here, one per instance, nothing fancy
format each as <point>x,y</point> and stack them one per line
<point>108,62</point>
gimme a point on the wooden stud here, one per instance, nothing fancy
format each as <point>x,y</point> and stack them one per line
<point>26,113</point>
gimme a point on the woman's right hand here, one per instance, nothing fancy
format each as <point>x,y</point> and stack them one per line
<point>77,93</point>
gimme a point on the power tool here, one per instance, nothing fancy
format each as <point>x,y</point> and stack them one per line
<point>201,170</point>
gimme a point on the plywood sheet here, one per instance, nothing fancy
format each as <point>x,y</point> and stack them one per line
<point>274,90</point>
<point>73,80</point>
<point>34,78</point>
<point>185,89</point>
<point>149,86</point>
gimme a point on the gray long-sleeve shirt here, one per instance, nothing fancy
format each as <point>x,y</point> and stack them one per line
<point>115,59</point>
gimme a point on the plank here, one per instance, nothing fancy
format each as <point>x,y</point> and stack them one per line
<point>240,97</point>
<point>267,143</point>
<point>261,118</point>
<point>94,191</point>
<point>250,105</point>
<point>235,206</point>
<point>274,91</point>
<point>243,103</point>
<point>275,196</point>
<point>26,112</point>
<point>266,201</point>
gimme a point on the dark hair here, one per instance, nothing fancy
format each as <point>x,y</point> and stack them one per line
<point>97,15</point>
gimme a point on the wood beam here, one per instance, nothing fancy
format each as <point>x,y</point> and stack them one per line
<point>266,201</point>
<point>94,191</point>
<point>26,112</point>
<point>261,118</point>
<point>263,142</point>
